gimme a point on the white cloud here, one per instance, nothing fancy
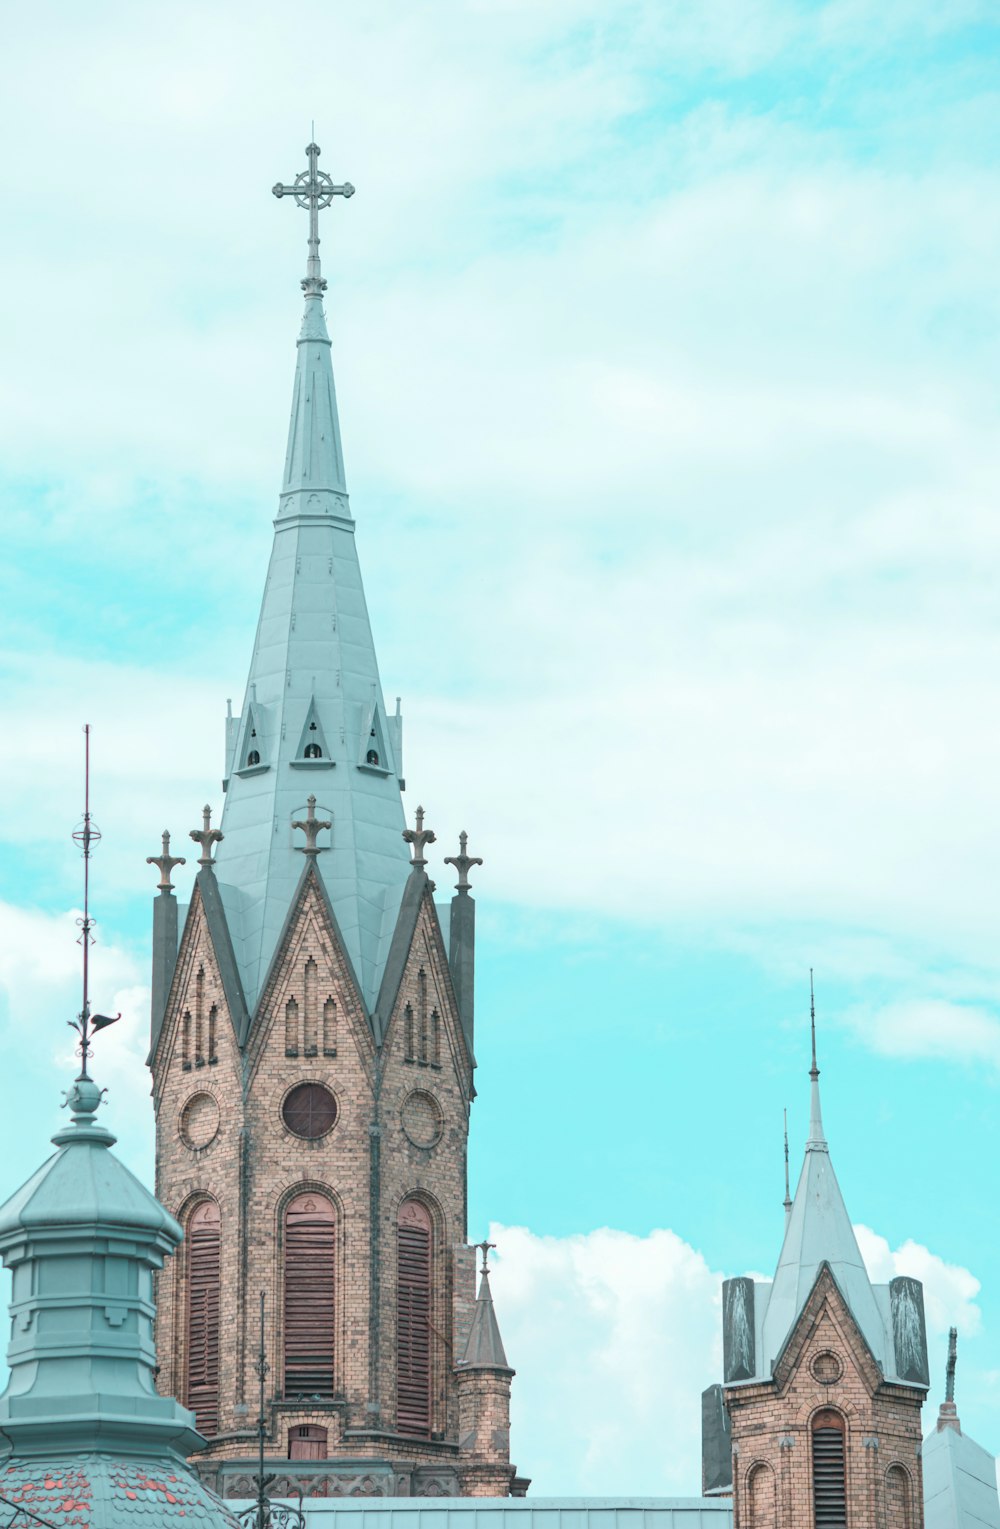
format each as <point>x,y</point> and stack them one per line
<point>929,1027</point>
<point>40,995</point>
<point>615,1336</point>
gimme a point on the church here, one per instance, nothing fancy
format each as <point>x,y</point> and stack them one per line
<point>320,1315</point>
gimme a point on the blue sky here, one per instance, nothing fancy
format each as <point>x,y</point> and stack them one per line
<point>666,345</point>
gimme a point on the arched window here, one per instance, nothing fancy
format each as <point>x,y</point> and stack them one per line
<point>253,758</point>
<point>897,1498</point>
<point>313,751</point>
<point>203,1251</point>
<point>310,1269</point>
<point>761,1503</point>
<point>414,1258</point>
<point>829,1471</point>
<point>372,757</point>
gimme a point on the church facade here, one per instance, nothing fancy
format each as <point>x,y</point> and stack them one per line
<point>312,1050</point>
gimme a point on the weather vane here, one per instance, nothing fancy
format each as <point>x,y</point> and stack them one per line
<point>86,836</point>
<point>313,189</point>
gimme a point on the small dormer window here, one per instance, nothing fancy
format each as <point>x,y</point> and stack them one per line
<point>312,751</point>
<point>253,758</point>
<point>371,757</point>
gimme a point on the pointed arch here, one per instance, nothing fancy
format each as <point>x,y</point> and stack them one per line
<point>310,1269</point>
<point>374,754</point>
<point>203,1228</point>
<point>252,757</point>
<point>829,1470</point>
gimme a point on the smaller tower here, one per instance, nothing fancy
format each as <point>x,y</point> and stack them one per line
<point>483,1379</point>
<point>960,1477</point>
<point>824,1375</point>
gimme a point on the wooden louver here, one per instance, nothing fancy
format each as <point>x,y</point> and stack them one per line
<point>310,1267</point>
<point>413,1312</point>
<point>829,1472</point>
<point>203,1294</point>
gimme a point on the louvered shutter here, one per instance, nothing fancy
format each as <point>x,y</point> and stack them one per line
<point>829,1472</point>
<point>203,1317</point>
<point>310,1262</point>
<point>413,1311</point>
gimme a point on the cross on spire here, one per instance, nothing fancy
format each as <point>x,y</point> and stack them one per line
<point>484,1248</point>
<point>206,836</point>
<point>462,862</point>
<point>165,863</point>
<point>311,827</point>
<point>419,837</point>
<point>315,190</point>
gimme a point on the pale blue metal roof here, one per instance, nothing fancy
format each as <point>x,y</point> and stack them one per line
<point>514,1513</point>
<point>313,690</point>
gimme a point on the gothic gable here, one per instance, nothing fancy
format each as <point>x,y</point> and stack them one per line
<point>826,1326</point>
<point>424,1027</point>
<point>198,1026</point>
<point>310,1005</point>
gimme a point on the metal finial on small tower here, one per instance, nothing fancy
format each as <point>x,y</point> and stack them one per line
<point>165,863</point>
<point>462,862</point>
<point>817,1140</point>
<point>314,190</point>
<point>788,1197</point>
<point>206,836</point>
<point>419,837</point>
<point>264,1514</point>
<point>311,826</point>
<point>484,1248</point>
<point>86,836</point>
<point>949,1376</point>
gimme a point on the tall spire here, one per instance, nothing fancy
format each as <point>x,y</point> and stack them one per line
<point>817,1140</point>
<point>313,722</point>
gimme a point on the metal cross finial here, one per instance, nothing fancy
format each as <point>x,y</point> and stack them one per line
<point>311,827</point>
<point>419,837</point>
<point>206,836</point>
<point>814,1070</point>
<point>165,863</point>
<point>484,1248</point>
<point>313,189</point>
<point>788,1198</point>
<point>462,862</point>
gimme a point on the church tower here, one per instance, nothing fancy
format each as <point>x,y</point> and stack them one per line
<point>817,1424</point>
<point>312,1049</point>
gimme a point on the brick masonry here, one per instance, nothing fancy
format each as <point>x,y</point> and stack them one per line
<point>220,1134</point>
<point>826,1364</point>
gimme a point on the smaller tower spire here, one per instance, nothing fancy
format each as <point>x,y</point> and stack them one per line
<point>948,1414</point>
<point>788,1197</point>
<point>484,1350</point>
<point>817,1140</point>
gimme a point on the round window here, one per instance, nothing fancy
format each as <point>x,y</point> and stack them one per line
<point>310,1110</point>
<point>200,1121</point>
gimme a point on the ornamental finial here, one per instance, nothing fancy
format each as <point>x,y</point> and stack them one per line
<point>484,1248</point>
<point>206,836</point>
<point>419,837</point>
<point>311,827</point>
<point>314,190</point>
<point>462,862</point>
<point>165,863</point>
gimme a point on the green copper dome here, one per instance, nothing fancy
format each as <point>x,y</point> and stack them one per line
<point>93,1443</point>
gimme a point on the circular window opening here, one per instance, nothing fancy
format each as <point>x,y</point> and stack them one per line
<point>826,1368</point>
<point>200,1122</point>
<point>422,1120</point>
<point>310,1110</point>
